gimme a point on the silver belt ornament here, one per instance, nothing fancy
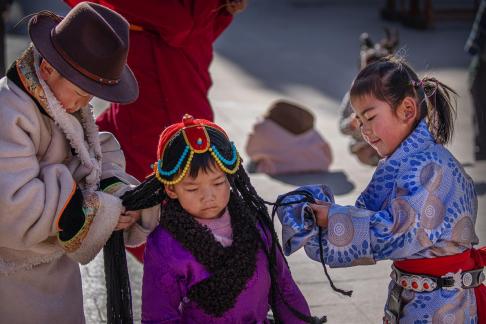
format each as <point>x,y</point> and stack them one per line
<point>424,283</point>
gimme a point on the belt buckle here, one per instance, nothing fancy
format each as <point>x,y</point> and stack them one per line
<point>457,277</point>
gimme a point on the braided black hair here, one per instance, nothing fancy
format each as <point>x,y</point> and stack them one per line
<point>232,266</point>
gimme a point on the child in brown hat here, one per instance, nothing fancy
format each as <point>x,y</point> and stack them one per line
<point>57,172</point>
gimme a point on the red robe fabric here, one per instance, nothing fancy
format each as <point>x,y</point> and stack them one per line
<point>170,58</point>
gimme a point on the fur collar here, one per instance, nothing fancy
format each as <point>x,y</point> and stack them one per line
<point>80,128</point>
<point>231,267</point>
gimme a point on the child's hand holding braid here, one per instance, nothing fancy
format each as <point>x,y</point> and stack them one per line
<point>127,219</point>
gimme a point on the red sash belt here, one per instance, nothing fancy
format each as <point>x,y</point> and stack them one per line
<point>468,260</point>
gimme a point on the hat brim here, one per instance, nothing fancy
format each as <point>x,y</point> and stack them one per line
<point>126,91</point>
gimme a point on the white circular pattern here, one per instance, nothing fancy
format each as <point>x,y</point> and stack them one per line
<point>449,319</point>
<point>339,229</point>
<point>467,279</point>
<point>432,213</point>
<point>429,211</point>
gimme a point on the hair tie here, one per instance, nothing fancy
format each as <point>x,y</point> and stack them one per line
<point>417,84</point>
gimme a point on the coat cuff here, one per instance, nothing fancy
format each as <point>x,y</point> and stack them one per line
<point>103,211</point>
<point>137,234</point>
<point>299,227</point>
<point>114,186</point>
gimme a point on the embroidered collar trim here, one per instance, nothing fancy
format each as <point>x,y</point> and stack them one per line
<point>90,156</point>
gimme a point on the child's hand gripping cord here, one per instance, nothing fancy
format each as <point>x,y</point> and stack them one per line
<point>308,222</point>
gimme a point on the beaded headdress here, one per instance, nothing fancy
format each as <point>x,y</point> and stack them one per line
<point>190,137</point>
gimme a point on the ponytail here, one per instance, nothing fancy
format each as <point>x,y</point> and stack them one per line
<point>391,79</point>
<point>441,110</point>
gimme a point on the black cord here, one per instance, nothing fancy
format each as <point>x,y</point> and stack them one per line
<point>308,198</point>
<point>321,256</point>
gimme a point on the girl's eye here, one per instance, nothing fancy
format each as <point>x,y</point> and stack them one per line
<point>370,118</point>
<point>191,189</point>
<point>219,183</point>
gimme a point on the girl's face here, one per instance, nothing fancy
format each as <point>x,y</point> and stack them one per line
<point>205,196</point>
<point>383,128</point>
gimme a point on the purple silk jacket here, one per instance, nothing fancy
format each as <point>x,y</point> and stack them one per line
<point>170,271</point>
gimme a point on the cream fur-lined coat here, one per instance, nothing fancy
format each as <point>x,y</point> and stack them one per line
<point>40,281</point>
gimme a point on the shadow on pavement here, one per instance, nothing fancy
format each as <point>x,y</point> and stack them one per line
<point>337,180</point>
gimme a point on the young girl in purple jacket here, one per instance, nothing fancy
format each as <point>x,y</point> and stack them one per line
<point>215,258</point>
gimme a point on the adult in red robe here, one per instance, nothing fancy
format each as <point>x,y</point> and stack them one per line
<point>171,48</point>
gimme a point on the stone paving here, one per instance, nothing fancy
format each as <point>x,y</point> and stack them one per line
<point>309,54</point>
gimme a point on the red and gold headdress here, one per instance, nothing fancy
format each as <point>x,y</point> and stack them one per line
<point>197,136</point>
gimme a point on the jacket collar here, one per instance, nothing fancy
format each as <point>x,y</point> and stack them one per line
<point>384,179</point>
<point>419,140</point>
<point>78,129</point>
<point>14,76</point>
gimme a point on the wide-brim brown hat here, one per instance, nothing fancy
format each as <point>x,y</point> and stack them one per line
<point>290,116</point>
<point>89,47</point>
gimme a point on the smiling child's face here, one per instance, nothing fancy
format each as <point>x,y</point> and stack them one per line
<point>205,196</point>
<point>381,127</point>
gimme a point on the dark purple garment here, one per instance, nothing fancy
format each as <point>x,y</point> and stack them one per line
<point>170,271</point>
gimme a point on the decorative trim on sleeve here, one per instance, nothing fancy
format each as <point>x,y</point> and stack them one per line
<point>70,203</point>
<point>71,218</point>
<point>70,236</point>
<point>104,214</point>
<point>111,185</point>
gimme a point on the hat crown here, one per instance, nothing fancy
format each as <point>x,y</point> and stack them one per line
<point>94,40</point>
<point>188,122</point>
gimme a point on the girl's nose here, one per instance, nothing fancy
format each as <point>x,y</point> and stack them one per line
<point>365,130</point>
<point>208,194</point>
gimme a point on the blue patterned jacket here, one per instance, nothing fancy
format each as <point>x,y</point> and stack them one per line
<point>420,203</point>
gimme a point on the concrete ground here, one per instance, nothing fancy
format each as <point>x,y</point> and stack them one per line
<point>308,52</point>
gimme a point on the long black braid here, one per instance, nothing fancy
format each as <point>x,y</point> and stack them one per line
<point>242,182</point>
<point>231,267</point>
<point>308,198</point>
